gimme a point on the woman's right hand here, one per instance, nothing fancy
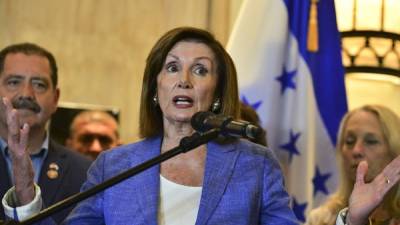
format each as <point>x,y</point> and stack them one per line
<point>367,196</point>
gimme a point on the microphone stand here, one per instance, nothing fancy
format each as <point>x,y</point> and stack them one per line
<point>186,144</point>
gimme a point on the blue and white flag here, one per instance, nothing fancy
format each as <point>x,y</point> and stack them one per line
<point>299,95</point>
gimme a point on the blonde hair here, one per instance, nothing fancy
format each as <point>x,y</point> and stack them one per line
<point>390,126</point>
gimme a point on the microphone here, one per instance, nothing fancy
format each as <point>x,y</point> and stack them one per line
<point>204,121</point>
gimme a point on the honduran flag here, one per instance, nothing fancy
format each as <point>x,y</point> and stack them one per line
<point>288,59</point>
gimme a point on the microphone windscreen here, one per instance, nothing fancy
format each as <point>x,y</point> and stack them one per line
<point>198,120</point>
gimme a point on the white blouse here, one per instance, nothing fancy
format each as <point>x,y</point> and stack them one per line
<point>179,204</point>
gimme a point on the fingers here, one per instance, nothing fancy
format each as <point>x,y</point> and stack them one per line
<point>17,135</point>
<point>12,121</point>
<point>7,103</point>
<point>391,173</point>
<point>362,170</point>
<point>24,135</point>
<point>396,165</point>
<point>13,126</point>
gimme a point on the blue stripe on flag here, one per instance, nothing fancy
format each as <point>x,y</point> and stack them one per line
<point>326,64</point>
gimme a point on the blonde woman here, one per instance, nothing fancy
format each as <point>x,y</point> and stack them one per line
<point>368,154</point>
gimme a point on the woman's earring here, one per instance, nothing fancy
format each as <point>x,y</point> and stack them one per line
<point>155,100</point>
<point>216,106</point>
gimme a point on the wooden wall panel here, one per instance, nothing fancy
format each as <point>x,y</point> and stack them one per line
<point>100,45</point>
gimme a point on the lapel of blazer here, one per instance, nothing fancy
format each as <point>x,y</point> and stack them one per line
<point>51,186</point>
<point>220,163</point>
<point>147,183</point>
<point>5,182</point>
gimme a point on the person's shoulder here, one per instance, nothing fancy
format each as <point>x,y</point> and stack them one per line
<point>132,153</point>
<point>248,155</point>
<point>72,156</point>
<point>140,147</point>
<point>321,215</point>
<point>126,156</point>
<point>329,209</point>
<point>247,147</point>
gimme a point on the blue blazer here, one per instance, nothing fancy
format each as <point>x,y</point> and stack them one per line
<point>243,184</point>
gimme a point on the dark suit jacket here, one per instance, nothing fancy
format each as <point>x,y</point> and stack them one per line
<point>71,175</point>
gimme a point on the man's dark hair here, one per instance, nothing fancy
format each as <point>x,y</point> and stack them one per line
<point>31,49</point>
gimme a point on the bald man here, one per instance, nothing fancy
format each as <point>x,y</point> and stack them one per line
<point>92,132</point>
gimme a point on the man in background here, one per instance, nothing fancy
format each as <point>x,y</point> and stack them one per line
<point>29,90</point>
<point>92,132</point>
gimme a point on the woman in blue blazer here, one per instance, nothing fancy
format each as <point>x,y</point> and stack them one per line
<point>227,181</point>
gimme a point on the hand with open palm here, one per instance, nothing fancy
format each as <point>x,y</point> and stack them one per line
<point>367,196</point>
